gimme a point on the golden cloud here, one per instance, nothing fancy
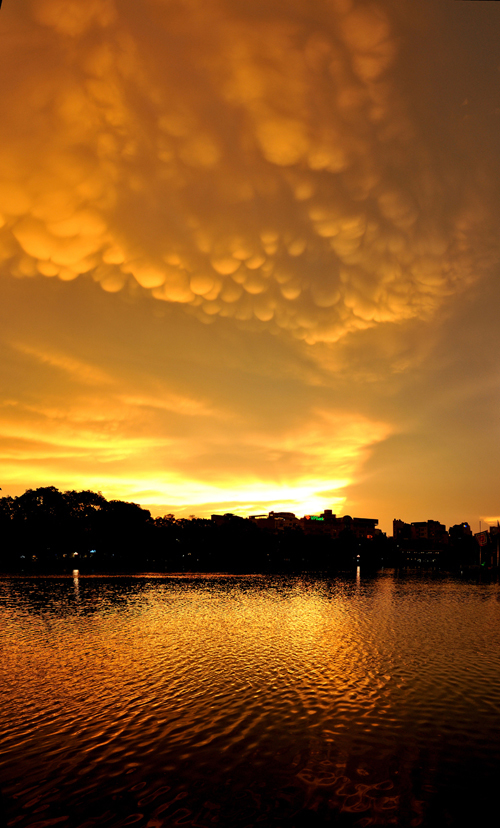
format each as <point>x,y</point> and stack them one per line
<point>160,443</point>
<point>262,167</point>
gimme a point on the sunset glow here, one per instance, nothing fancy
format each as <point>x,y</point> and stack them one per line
<point>249,255</point>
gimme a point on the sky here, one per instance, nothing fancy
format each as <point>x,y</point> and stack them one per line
<point>249,255</point>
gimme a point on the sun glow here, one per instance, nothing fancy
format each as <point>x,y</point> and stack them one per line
<point>303,497</point>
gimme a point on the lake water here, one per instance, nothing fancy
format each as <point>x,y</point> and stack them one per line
<point>224,701</point>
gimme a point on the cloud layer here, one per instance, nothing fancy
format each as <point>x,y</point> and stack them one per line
<point>260,164</point>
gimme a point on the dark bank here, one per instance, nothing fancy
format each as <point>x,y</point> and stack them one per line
<point>47,531</point>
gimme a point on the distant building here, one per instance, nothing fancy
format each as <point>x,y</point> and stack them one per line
<point>329,524</point>
<point>220,520</point>
<point>460,530</point>
<point>275,521</point>
<point>420,542</point>
<point>430,530</point>
<point>325,524</point>
<point>401,531</point>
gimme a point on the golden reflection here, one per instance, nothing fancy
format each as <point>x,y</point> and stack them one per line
<point>305,688</point>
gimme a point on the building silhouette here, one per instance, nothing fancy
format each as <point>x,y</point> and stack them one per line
<point>324,524</point>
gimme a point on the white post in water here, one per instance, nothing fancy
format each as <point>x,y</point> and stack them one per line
<point>76,573</point>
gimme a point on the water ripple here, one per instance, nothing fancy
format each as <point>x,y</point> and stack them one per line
<point>241,701</point>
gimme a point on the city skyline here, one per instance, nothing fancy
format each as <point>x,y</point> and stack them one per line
<point>49,500</point>
<point>249,257</point>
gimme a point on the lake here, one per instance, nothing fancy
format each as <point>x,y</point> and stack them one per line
<point>223,701</point>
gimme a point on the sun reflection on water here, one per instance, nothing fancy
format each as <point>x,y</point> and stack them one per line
<point>274,699</point>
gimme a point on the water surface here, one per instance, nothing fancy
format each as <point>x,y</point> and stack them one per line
<point>241,701</point>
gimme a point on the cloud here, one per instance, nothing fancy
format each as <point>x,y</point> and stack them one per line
<point>494,521</point>
<point>262,166</point>
<point>149,453</point>
<point>76,369</point>
<point>166,411</point>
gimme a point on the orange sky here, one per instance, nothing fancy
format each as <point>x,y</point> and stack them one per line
<point>249,254</point>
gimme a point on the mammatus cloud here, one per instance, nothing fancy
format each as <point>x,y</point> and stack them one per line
<point>250,163</point>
